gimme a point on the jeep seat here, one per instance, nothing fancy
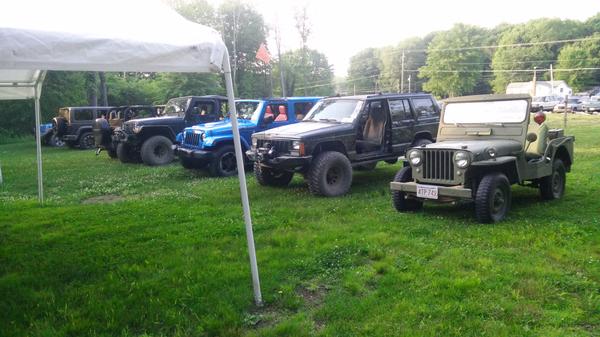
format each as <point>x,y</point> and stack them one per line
<point>536,149</point>
<point>374,130</point>
<point>282,117</point>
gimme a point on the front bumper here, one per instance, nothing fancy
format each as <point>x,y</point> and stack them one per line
<point>280,161</point>
<point>449,192</point>
<point>121,136</point>
<point>183,152</point>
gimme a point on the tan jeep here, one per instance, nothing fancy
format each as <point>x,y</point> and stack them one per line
<point>485,144</point>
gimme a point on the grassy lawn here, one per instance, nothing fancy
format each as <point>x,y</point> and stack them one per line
<point>129,250</point>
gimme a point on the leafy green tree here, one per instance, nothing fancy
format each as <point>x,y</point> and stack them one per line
<point>306,73</point>
<point>391,59</point>
<point>364,71</point>
<point>584,54</point>
<point>508,59</point>
<point>199,11</point>
<point>169,85</point>
<point>451,70</point>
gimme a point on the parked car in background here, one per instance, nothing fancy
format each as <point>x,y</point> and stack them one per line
<point>572,104</point>
<point>103,128</point>
<point>591,106</point>
<point>479,155</point>
<point>342,133</point>
<point>48,137</point>
<point>73,125</point>
<point>211,145</point>
<point>546,103</point>
<point>150,140</point>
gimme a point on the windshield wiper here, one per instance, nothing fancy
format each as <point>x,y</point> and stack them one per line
<point>328,120</point>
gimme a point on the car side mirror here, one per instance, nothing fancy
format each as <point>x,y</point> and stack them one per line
<point>531,137</point>
<point>268,119</point>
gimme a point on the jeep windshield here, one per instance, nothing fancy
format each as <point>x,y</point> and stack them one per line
<point>491,112</point>
<point>248,110</point>
<point>175,107</point>
<point>335,110</point>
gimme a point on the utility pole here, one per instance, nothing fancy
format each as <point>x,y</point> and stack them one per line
<point>409,83</point>
<point>551,79</point>
<point>402,74</point>
<point>565,115</point>
<point>278,41</point>
<point>534,82</point>
<point>354,88</point>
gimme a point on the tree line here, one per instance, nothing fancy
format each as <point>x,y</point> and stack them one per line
<point>243,30</point>
<point>468,59</point>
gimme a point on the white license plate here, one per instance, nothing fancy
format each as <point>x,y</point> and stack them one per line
<point>427,192</point>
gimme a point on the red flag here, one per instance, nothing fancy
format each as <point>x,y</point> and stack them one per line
<point>262,54</point>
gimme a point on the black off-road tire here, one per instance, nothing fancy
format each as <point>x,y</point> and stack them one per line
<point>126,154</point>
<point>192,164</point>
<point>224,164</point>
<point>401,201</point>
<point>420,142</point>
<point>157,150</point>
<point>553,186</point>
<point>86,141</point>
<point>112,153</point>
<point>55,141</point>
<point>267,176</point>
<point>330,174</point>
<point>392,161</point>
<point>493,198</point>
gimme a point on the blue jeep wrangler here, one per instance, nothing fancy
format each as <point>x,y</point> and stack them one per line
<point>211,144</point>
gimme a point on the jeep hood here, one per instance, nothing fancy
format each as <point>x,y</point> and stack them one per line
<point>305,130</point>
<point>222,127</point>
<point>166,120</point>
<point>503,147</point>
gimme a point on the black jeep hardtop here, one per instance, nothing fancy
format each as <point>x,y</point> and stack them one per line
<point>344,132</point>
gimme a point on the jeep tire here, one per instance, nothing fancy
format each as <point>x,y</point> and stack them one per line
<point>224,163</point>
<point>492,200</point>
<point>267,176</point>
<point>86,141</point>
<point>157,151</point>
<point>126,154</point>
<point>420,142</point>
<point>553,186</point>
<point>330,174</point>
<point>401,201</point>
<point>55,141</point>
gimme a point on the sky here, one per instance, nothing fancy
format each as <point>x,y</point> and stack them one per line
<point>340,29</point>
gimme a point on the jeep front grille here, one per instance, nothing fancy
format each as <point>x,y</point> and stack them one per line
<point>438,165</point>
<point>281,146</point>
<point>191,138</point>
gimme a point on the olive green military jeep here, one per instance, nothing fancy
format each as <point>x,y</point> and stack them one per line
<point>485,144</point>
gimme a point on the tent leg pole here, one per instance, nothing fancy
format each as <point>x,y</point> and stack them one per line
<point>242,177</point>
<point>38,142</point>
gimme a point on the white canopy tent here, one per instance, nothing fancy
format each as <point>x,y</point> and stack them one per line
<point>109,35</point>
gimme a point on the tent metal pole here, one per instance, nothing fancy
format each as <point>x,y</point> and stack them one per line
<point>242,177</point>
<point>37,89</point>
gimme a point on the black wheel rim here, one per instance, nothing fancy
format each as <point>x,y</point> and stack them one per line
<point>88,141</point>
<point>498,201</point>
<point>228,162</point>
<point>557,185</point>
<point>333,175</point>
<point>160,151</point>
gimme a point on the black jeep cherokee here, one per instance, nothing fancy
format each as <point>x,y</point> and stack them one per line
<point>340,133</point>
<point>151,139</point>
<point>73,125</point>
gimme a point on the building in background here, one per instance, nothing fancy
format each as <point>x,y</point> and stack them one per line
<point>542,88</point>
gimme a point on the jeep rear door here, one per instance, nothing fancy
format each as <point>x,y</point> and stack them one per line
<point>403,123</point>
<point>427,114</point>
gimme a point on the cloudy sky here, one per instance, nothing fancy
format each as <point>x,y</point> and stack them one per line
<point>342,28</point>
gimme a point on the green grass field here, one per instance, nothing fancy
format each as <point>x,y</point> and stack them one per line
<point>129,250</point>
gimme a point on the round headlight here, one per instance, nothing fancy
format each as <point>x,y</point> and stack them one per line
<point>414,157</point>
<point>491,152</point>
<point>254,141</point>
<point>461,159</point>
<point>203,136</point>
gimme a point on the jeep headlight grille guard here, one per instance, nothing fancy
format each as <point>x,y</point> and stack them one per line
<point>192,138</point>
<point>280,146</point>
<point>438,165</point>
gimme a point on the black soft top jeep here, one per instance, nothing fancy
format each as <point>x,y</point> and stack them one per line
<point>73,125</point>
<point>151,139</point>
<point>340,133</point>
<point>103,128</point>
